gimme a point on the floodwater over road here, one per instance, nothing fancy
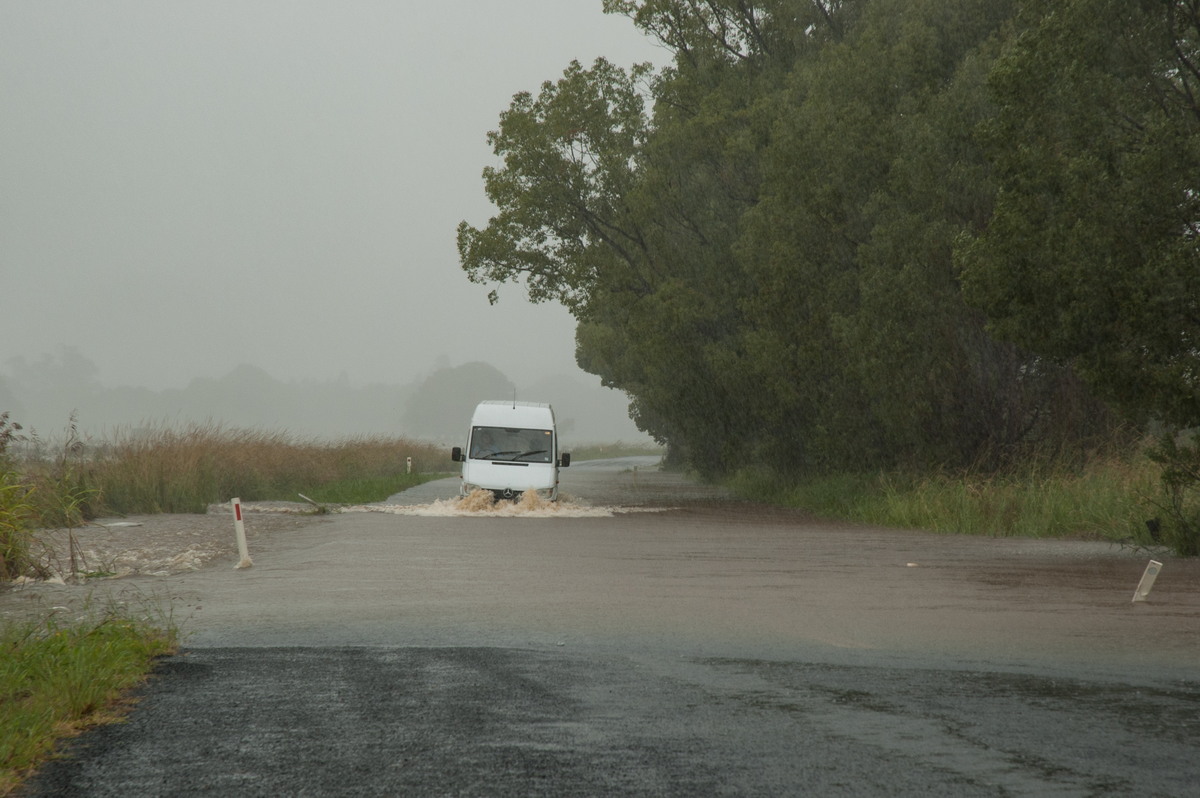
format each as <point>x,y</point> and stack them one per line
<point>671,642</point>
<point>652,557</point>
<point>615,485</point>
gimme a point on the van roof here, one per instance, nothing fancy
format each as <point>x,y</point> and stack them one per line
<point>511,403</point>
<point>505,412</point>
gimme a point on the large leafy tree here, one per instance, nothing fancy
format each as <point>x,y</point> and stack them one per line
<point>1091,256</point>
<point>678,350</point>
<point>576,225</point>
<point>632,232</point>
<point>565,225</point>
<point>757,240</point>
<point>869,353</point>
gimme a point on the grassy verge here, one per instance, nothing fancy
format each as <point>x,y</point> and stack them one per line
<point>600,451</point>
<point>57,680</point>
<point>1109,499</point>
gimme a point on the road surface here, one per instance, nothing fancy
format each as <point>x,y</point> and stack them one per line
<point>655,638</point>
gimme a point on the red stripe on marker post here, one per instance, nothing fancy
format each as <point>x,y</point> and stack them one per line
<point>240,530</point>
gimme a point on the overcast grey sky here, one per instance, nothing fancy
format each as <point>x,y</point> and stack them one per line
<point>185,186</point>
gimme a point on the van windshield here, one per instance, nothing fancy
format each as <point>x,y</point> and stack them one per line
<point>513,444</point>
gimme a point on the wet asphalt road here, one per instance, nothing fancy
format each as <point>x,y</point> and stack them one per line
<point>506,722</point>
<point>711,649</point>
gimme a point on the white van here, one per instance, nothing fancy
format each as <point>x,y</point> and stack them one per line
<point>512,447</point>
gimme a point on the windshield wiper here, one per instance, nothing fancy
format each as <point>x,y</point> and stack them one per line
<point>494,455</point>
<point>526,454</point>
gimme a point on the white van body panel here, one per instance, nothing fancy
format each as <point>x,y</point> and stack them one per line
<point>511,448</point>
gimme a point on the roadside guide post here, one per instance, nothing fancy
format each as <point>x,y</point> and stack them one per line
<point>240,529</point>
<point>1148,577</point>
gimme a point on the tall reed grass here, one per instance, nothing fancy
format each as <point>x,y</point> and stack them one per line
<point>1108,498</point>
<point>16,511</point>
<point>169,470</point>
<point>16,514</point>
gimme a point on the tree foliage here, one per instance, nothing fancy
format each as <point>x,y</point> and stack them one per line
<point>1091,254</point>
<point>570,163</point>
<point>766,243</point>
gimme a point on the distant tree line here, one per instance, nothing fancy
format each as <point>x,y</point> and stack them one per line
<point>846,234</point>
<point>46,393</point>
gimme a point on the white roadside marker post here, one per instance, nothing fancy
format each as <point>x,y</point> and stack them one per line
<point>1148,577</point>
<point>409,466</point>
<point>240,529</point>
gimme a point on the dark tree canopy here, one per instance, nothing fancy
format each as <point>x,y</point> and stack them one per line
<point>1091,254</point>
<point>766,243</point>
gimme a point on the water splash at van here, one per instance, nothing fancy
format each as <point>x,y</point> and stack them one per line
<point>481,503</point>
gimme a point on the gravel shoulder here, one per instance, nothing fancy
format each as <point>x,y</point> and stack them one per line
<point>108,552</point>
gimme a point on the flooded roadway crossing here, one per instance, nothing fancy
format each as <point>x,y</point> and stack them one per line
<point>695,646</point>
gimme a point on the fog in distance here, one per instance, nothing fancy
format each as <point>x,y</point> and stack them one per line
<point>246,211</point>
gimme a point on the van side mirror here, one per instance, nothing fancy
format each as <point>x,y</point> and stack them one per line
<point>565,460</point>
<point>456,454</point>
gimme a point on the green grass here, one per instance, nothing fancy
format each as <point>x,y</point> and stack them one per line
<point>57,680</point>
<point>600,451</point>
<point>1109,499</point>
<point>16,514</point>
